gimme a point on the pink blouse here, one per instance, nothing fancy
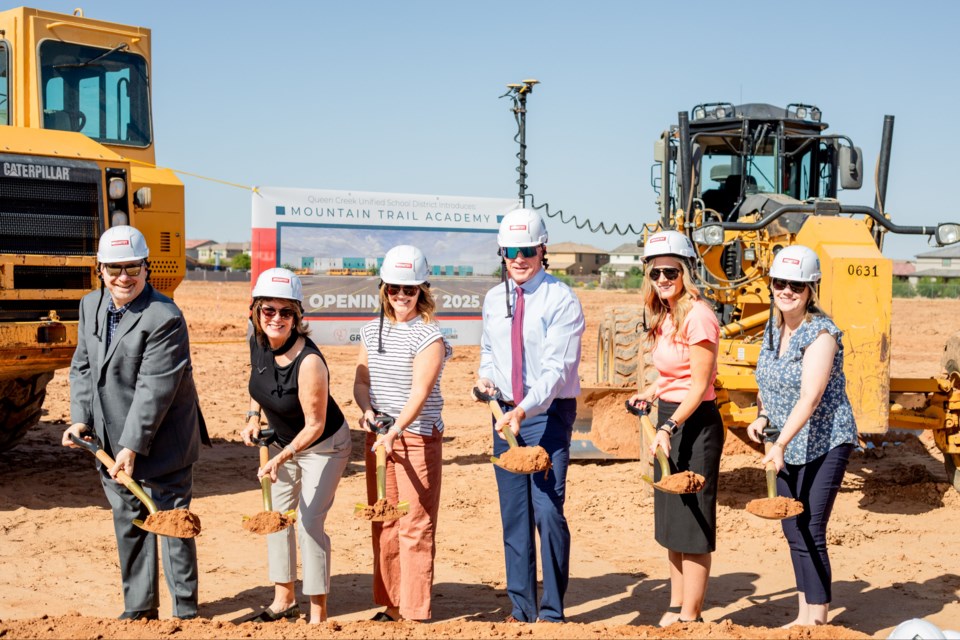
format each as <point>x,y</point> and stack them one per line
<point>672,357</point>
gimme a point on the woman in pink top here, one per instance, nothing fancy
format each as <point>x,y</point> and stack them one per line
<point>684,335</point>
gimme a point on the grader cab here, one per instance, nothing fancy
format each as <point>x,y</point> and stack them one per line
<point>745,181</point>
<point>76,156</point>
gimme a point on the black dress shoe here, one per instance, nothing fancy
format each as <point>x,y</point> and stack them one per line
<point>382,616</point>
<point>148,614</point>
<point>267,615</point>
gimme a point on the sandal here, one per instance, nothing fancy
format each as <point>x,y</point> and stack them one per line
<point>382,616</point>
<point>268,615</point>
<point>675,609</point>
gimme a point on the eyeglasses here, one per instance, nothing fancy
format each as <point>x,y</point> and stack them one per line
<point>285,314</point>
<point>510,253</point>
<point>670,273</point>
<point>408,290</point>
<point>780,285</point>
<point>114,270</point>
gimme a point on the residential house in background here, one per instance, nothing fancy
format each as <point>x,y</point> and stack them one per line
<point>224,250</point>
<point>193,247</point>
<point>942,264</point>
<point>622,259</point>
<point>572,259</point>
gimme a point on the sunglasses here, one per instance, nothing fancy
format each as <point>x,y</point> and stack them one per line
<point>285,314</point>
<point>780,285</point>
<point>510,253</point>
<point>114,270</point>
<point>670,273</point>
<point>408,290</point>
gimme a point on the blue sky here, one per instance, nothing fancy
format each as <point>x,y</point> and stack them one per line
<point>402,96</point>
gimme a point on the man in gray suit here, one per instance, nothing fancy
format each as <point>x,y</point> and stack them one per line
<point>131,380</point>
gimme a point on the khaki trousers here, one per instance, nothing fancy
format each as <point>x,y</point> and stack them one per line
<point>404,549</point>
<point>307,482</point>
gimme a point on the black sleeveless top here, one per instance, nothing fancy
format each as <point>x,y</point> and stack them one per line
<point>276,389</point>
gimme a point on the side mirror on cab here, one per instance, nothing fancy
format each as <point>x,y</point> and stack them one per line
<point>850,167</point>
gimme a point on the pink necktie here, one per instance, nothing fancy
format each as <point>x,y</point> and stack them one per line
<point>516,346</point>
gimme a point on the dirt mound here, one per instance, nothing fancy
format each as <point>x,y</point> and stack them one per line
<point>612,429</point>
<point>380,511</point>
<point>267,522</point>
<point>525,459</point>
<point>775,508</point>
<point>177,523</point>
<point>682,482</point>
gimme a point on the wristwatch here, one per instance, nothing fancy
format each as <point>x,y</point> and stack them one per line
<point>251,414</point>
<point>670,426</point>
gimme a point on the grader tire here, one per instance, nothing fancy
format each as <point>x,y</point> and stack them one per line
<point>950,362</point>
<point>627,335</point>
<point>20,406</point>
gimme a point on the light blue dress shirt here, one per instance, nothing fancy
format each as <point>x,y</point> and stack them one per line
<point>552,327</point>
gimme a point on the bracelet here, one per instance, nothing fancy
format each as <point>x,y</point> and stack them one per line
<point>292,450</point>
<point>765,417</point>
<point>397,429</point>
<point>251,414</point>
<point>782,446</point>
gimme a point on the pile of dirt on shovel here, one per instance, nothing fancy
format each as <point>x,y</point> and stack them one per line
<point>682,482</point>
<point>178,523</point>
<point>267,522</point>
<point>380,511</point>
<point>525,459</point>
<point>776,508</point>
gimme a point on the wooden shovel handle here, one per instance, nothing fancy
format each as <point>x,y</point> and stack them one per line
<point>651,432</point>
<point>127,481</point>
<point>381,472</point>
<point>265,481</point>
<point>498,414</point>
<point>771,472</point>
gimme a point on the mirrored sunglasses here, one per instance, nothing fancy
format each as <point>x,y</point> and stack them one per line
<point>285,314</point>
<point>408,290</point>
<point>510,253</point>
<point>780,285</point>
<point>114,270</point>
<point>670,273</point>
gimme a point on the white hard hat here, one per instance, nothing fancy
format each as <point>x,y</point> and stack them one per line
<point>279,283</point>
<point>796,263</point>
<point>668,243</point>
<point>916,629</point>
<point>404,264</point>
<point>522,228</point>
<point>950,634</point>
<point>122,244</point>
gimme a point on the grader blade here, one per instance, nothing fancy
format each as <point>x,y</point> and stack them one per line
<point>603,429</point>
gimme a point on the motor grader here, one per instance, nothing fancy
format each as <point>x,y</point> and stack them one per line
<point>745,181</point>
<point>76,156</point>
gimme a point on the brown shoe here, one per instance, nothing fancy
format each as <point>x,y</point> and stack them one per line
<point>511,620</point>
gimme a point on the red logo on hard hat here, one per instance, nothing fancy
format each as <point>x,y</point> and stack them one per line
<point>118,243</point>
<point>657,239</point>
<point>790,260</point>
<point>279,279</point>
<point>403,265</point>
<point>518,227</point>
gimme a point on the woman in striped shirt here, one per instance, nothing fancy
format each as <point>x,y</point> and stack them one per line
<point>398,374</point>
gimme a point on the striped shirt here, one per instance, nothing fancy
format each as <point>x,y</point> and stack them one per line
<point>391,372</point>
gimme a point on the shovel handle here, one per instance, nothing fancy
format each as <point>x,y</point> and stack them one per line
<point>771,472</point>
<point>127,481</point>
<point>651,432</point>
<point>507,433</point>
<point>265,481</point>
<point>381,472</point>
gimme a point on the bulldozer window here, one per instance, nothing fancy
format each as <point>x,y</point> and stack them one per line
<point>102,93</point>
<point>4,84</point>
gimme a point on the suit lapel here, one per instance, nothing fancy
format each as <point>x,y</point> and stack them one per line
<point>127,322</point>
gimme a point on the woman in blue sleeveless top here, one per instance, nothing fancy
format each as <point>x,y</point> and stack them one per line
<point>802,396</point>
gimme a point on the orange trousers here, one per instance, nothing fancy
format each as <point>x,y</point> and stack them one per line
<point>404,549</point>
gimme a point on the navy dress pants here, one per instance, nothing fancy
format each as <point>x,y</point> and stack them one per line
<point>535,501</point>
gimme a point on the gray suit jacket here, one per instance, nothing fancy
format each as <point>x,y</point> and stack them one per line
<point>139,392</point>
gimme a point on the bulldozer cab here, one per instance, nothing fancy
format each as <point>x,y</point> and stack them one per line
<point>77,158</point>
<point>756,149</point>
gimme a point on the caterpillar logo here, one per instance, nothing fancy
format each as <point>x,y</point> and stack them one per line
<point>42,171</point>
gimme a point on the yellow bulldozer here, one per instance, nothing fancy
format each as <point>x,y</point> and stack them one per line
<point>76,156</point>
<point>744,181</point>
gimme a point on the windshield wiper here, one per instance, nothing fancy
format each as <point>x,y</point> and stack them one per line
<point>92,61</point>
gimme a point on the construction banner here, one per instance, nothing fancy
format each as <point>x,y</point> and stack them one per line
<point>335,241</point>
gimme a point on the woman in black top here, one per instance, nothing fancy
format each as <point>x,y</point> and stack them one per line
<point>289,381</point>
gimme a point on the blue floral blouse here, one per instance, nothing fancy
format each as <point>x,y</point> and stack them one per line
<point>778,378</point>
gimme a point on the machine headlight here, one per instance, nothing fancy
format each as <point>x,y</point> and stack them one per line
<point>948,233</point>
<point>119,218</point>
<point>750,254</point>
<point>116,188</point>
<point>709,235</point>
